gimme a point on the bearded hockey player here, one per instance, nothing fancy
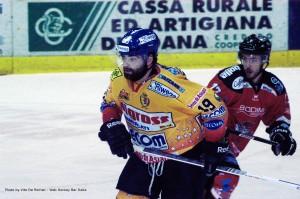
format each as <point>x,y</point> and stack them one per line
<point>165,111</point>
<point>251,95</point>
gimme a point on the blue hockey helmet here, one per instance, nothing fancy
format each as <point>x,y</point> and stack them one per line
<point>138,41</point>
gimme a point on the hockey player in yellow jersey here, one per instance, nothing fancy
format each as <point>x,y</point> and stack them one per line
<point>165,111</point>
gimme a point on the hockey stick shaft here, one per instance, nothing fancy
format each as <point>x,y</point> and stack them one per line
<point>223,169</point>
<point>252,137</point>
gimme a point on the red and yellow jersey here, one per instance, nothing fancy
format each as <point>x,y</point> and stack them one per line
<point>247,105</point>
<point>167,112</point>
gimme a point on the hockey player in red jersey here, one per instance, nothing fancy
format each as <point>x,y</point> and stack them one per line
<point>165,111</point>
<point>251,95</point>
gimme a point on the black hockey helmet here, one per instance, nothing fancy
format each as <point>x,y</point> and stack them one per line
<point>256,45</point>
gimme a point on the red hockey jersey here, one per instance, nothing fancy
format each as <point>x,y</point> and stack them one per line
<point>248,104</point>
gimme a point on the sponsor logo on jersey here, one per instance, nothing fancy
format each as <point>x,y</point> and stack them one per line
<point>238,83</point>
<point>146,121</point>
<point>149,158</point>
<point>161,76</point>
<point>157,141</point>
<point>161,89</point>
<point>173,70</point>
<point>255,98</point>
<point>197,98</point>
<point>222,149</point>
<point>229,71</point>
<point>116,73</point>
<point>277,84</point>
<point>123,95</point>
<point>213,124</point>
<point>274,80</point>
<point>220,111</point>
<point>252,111</point>
<point>144,99</point>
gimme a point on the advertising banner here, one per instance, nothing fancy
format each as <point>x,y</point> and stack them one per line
<point>55,26</point>
<point>5,28</point>
<point>294,26</point>
<point>183,26</point>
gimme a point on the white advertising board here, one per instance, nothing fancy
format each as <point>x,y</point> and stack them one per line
<point>184,26</point>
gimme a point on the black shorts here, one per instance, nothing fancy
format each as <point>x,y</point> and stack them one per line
<point>177,181</point>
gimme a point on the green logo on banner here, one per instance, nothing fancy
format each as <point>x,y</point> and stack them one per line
<point>66,26</point>
<point>53,26</point>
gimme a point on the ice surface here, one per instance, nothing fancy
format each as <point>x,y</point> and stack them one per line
<point>48,140</point>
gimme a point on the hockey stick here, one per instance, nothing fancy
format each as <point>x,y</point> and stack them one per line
<point>223,169</point>
<point>252,137</point>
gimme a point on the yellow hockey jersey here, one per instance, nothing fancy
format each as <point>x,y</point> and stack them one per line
<point>167,112</point>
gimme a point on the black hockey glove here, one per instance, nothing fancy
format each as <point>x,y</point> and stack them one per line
<point>213,154</point>
<point>118,138</point>
<point>280,133</point>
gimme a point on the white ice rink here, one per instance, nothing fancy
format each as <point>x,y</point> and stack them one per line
<point>49,143</point>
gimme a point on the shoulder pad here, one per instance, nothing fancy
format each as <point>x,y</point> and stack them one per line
<point>116,73</point>
<point>274,82</point>
<point>232,77</point>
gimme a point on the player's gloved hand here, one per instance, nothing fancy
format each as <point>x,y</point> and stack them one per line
<point>115,133</point>
<point>280,133</point>
<point>213,153</point>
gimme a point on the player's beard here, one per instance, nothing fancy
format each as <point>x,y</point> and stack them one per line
<point>135,74</point>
